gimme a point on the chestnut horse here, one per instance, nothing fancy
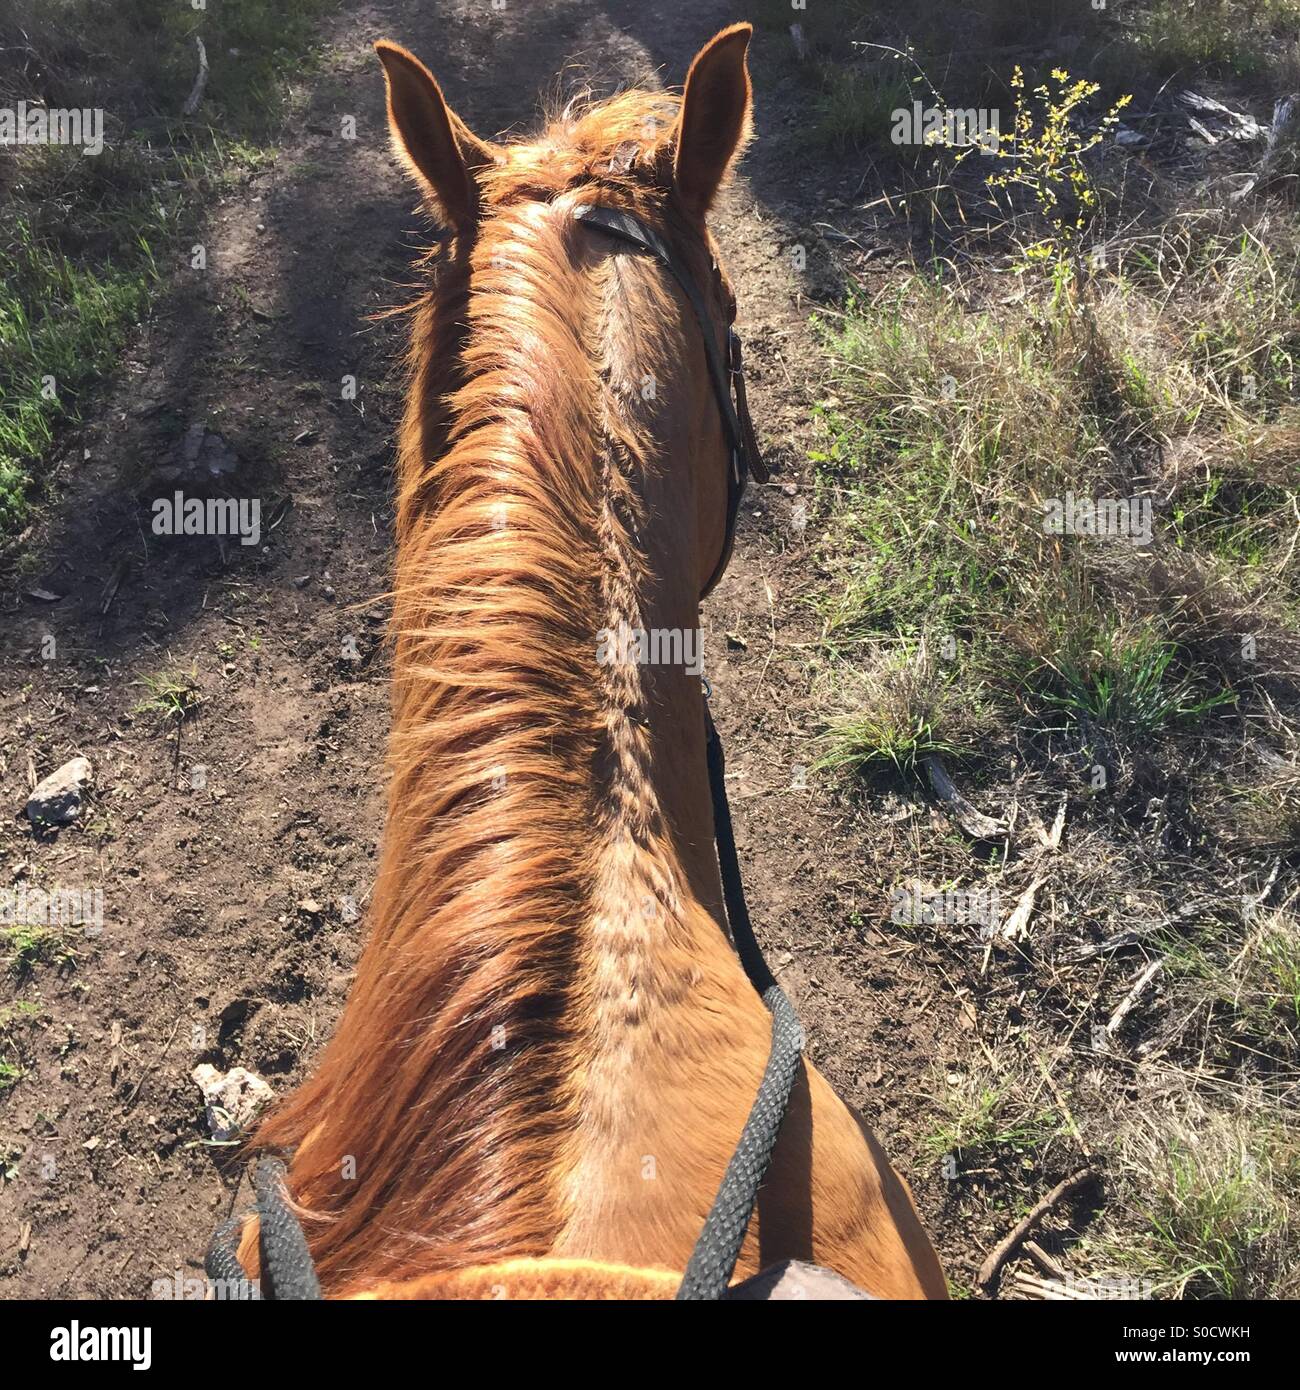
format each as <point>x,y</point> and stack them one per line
<point>550,1048</point>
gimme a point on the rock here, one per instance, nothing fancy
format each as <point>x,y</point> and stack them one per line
<point>203,458</point>
<point>58,798</point>
<point>233,1099</point>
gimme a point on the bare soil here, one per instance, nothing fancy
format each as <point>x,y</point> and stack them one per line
<point>229,930</point>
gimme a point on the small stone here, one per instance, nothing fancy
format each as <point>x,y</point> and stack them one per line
<point>233,1099</point>
<point>58,799</point>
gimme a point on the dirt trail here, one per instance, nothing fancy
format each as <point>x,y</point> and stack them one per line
<point>230,907</point>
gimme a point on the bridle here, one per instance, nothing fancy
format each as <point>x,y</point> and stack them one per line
<point>288,1271</point>
<point>727,375</point>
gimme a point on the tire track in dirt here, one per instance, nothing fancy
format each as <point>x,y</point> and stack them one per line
<point>208,951</point>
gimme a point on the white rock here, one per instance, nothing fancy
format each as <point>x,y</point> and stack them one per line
<point>58,798</point>
<point>234,1099</point>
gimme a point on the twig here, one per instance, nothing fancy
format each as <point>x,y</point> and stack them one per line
<point>975,823</point>
<point>1129,1002</point>
<point>1016,927</point>
<point>200,82</point>
<point>1052,838</point>
<point>1002,1252</point>
<point>1044,1261</point>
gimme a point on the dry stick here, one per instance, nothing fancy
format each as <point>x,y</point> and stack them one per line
<point>1045,1262</point>
<point>1002,1252</point>
<point>1065,1108</point>
<point>1016,927</point>
<point>1130,1000</point>
<point>201,81</point>
<point>975,823</point>
<point>1052,838</point>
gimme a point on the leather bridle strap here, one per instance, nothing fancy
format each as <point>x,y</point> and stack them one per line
<point>727,375</point>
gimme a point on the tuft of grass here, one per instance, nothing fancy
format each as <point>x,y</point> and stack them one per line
<point>1210,1196</point>
<point>87,238</point>
<point>28,945</point>
<point>853,109</point>
<point>1127,686</point>
<point>986,1117</point>
<point>173,695</point>
<point>901,714</point>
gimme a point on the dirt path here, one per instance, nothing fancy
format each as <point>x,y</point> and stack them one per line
<point>231,895</point>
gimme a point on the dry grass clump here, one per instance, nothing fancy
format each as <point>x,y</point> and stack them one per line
<point>1140,665</point>
<point>1203,1202</point>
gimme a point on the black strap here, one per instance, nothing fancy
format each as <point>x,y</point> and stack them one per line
<point>288,1273</point>
<point>713,1261</point>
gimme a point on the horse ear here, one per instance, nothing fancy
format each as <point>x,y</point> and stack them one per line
<point>715,121</point>
<point>433,142</point>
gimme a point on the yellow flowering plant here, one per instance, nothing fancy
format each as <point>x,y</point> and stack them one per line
<point>1044,154</point>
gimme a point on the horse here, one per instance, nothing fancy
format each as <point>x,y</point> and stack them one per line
<point>550,1048</point>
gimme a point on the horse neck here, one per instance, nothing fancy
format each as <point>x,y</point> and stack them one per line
<point>563,519</point>
<point>547,868</point>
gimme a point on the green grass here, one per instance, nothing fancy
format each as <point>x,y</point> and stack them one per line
<point>1217,38</point>
<point>1211,1196</point>
<point>950,422</point>
<point>985,1118</point>
<point>900,714</point>
<point>1128,685</point>
<point>61,327</point>
<point>172,695</point>
<point>88,241</point>
<point>28,945</point>
<point>965,398</point>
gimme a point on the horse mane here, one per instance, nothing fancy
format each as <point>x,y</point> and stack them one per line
<point>431,1134</point>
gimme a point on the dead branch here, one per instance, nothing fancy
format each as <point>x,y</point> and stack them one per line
<point>200,82</point>
<point>1002,1252</point>
<point>1127,1004</point>
<point>975,823</point>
